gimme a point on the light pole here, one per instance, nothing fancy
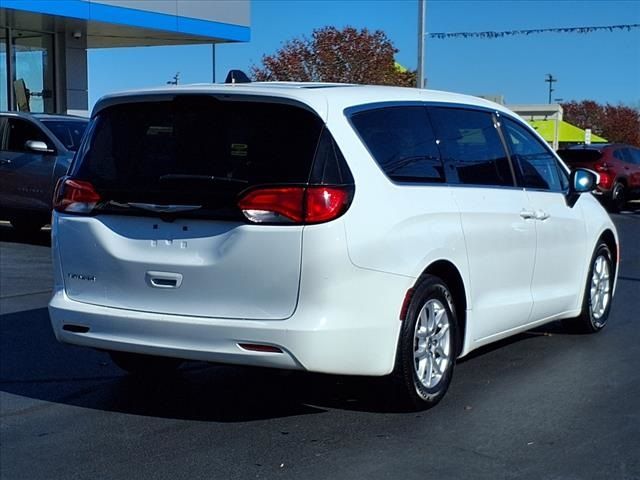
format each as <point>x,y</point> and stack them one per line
<point>421,81</point>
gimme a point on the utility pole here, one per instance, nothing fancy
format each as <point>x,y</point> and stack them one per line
<point>421,80</point>
<point>551,81</point>
<point>175,79</point>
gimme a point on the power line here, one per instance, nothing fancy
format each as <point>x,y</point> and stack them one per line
<point>510,33</point>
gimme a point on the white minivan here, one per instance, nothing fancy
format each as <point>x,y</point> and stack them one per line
<point>342,229</point>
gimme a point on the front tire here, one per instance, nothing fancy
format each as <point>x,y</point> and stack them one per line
<point>428,345</point>
<point>144,365</point>
<point>596,304</point>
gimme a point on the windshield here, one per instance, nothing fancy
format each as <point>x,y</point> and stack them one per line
<point>69,132</point>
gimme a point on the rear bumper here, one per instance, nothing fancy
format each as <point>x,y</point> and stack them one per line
<point>353,338</point>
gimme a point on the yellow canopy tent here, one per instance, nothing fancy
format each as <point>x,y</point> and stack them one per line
<point>567,133</point>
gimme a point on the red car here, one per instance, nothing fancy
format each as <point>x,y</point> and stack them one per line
<point>618,166</point>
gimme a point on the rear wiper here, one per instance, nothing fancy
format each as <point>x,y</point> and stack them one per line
<point>153,207</point>
<point>200,178</point>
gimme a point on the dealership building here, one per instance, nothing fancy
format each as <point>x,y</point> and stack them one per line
<point>43,43</point>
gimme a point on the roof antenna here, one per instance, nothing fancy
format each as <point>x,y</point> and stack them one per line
<point>237,76</point>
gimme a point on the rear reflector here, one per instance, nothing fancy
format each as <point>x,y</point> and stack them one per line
<point>75,196</point>
<point>256,347</point>
<point>75,328</point>
<point>314,204</point>
<point>405,304</point>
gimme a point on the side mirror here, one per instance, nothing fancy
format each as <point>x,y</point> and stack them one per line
<point>37,146</point>
<point>581,181</point>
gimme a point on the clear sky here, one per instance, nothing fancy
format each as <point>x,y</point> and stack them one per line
<point>602,66</point>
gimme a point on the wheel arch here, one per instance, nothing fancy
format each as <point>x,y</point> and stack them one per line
<point>609,238</point>
<point>449,273</point>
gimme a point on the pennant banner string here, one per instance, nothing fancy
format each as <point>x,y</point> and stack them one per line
<point>510,33</point>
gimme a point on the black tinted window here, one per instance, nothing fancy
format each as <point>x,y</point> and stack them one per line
<point>68,132</point>
<point>623,154</point>
<point>329,165</point>
<point>20,132</point>
<point>197,150</point>
<point>536,166</point>
<point>635,155</point>
<point>402,142</point>
<point>471,147</point>
<point>580,155</point>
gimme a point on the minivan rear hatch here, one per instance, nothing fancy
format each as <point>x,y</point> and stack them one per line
<point>580,157</point>
<point>167,234</point>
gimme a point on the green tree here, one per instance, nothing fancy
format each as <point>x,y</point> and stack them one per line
<point>331,55</point>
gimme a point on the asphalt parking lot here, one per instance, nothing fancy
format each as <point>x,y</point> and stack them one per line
<point>543,405</point>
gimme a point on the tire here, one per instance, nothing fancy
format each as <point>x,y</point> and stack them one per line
<point>596,303</point>
<point>26,226</point>
<point>618,198</point>
<point>428,345</point>
<point>144,365</point>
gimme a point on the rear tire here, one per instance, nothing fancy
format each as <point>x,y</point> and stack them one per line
<point>596,303</point>
<point>428,345</point>
<point>144,365</point>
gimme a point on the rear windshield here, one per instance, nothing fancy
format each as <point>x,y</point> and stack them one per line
<point>197,150</point>
<point>68,132</point>
<point>580,156</point>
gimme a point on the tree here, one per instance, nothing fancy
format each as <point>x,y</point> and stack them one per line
<point>331,55</point>
<point>618,124</point>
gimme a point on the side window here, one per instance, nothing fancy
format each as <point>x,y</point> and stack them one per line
<point>621,154</point>
<point>471,147</point>
<point>537,167</point>
<point>402,142</point>
<point>635,155</point>
<point>20,131</point>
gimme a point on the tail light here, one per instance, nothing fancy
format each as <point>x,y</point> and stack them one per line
<point>75,196</point>
<point>606,179</point>
<point>297,205</point>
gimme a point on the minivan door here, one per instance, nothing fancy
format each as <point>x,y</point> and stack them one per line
<point>499,229</point>
<point>561,253</point>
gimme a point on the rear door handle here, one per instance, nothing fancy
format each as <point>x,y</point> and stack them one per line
<point>527,214</point>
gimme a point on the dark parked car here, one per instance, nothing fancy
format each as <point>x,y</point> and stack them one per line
<point>35,150</point>
<point>618,166</point>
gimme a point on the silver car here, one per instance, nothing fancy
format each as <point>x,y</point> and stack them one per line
<point>35,150</point>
